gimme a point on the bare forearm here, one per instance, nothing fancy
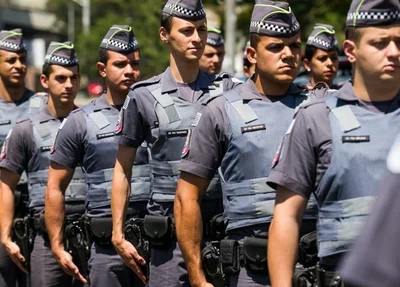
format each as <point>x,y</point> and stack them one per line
<point>189,229</point>
<point>282,251</point>
<point>6,212</point>
<point>119,200</point>
<point>54,216</point>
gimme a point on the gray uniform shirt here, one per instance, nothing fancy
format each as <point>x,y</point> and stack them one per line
<point>139,115</point>
<point>20,145</point>
<point>210,138</point>
<point>307,148</point>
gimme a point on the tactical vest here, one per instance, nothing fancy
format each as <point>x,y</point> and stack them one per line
<point>256,128</point>
<point>11,114</point>
<point>101,143</point>
<point>175,118</point>
<point>361,140</point>
<point>44,133</point>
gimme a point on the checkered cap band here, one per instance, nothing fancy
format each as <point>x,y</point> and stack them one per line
<point>11,46</point>
<point>275,28</point>
<point>184,11</point>
<point>374,16</point>
<point>121,46</point>
<point>213,42</point>
<point>63,61</point>
<point>325,44</point>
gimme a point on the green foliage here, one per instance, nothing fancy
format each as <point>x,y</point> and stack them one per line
<point>143,16</point>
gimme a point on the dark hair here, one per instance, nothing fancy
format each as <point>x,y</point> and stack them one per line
<point>254,40</point>
<point>311,50</point>
<point>246,62</point>
<point>166,21</point>
<point>353,34</point>
<point>47,70</point>
<point>103,55</point>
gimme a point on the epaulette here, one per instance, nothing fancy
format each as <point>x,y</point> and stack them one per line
<point>23,120</point>
<point>219,77</point>
<point>210,99</point>
<point>148,82</point>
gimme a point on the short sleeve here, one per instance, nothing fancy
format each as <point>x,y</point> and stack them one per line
<point>17,148</point>
<point>206,145</point>
<point>68,147</point>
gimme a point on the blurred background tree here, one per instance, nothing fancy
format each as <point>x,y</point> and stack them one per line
<point>143,16</point>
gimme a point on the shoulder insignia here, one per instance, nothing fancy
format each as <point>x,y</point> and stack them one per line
<point>4,147</point>
<point>118,127</point>
<point>52,149</point>
<point>148,82</point>
<point>393,160</point>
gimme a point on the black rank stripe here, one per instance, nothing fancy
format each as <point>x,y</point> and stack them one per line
<point>45,148</point>
<point>177,133</point>
<point>105,135</point>
<point>355,139</point>
<point>5,122</point>
<point>253,128</point>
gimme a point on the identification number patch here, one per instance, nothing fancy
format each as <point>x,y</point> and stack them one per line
<point>105,135</point>
<point>253,128</point>
<point>45,148</point>
<point>5,122</point>
<point>355,139</point>
<point>177,133</point>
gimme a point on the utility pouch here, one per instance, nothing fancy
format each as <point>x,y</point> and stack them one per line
<point>308,251</point>
<point>211,264</point>
<point>101,230</point>
<point>217,227</point>
<point>303,278</point>
<point>159,230</point>
<point>255,254</point>
<point>230,256</point>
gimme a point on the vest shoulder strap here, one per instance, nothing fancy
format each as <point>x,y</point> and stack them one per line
<point>166,101</point>
<point>97,117</point>
<point>345,116</point>
<point>244,110</point>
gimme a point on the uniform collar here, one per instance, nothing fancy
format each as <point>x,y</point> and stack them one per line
<point>251,93</point>
<point>101,103</point>
<point>347,93</point>
<point>168,83</point>
<point>45,115</point>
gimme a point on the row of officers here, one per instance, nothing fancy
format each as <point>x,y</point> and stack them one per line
<point>174,181</point>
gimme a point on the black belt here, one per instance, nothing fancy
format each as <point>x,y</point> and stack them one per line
<point>327,278</point>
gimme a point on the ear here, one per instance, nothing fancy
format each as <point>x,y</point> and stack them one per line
<point>350,50</point>
<point>251,55</point>
<point>101,67</point>
<point>306,65</point>
<point>44,81</point>
<point>164,35</point>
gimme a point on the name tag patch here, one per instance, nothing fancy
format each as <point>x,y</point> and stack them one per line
<point>177,133</point>
<point>253,128</point>
<point>45,148</point>
<point>355,139</point>
<point>5,122</point>
<point>105,135</point>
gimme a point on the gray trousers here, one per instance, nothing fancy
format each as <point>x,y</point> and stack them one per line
<point>45,270</point>
<point>10,274</point>
<point>106,269</point>
<point>167,267</point>
<point>246,278</point>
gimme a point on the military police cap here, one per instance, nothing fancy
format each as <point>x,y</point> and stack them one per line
<point>363,13</point>
<point>272,18</point>
<point>61,54</point>
<point>323,37</point>
<point>186,9</point>
<point>120,39</point>
<point>12,41</point>
<point>214,37</point>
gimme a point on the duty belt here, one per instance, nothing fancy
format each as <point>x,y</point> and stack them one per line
<point>327,278</point>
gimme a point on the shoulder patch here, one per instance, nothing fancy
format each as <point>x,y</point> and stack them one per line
<point>196,120</point>
<point>52,149</point>
<point>126,103</point>
<point>393,160</point>
<point>186,147</point>
<point>118,127</point>
<point>3,153</point>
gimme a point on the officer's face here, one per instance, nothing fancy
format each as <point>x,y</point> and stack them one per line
<point>277,59</point>
<point>62,83</point>
<point>212,58</point>
<point>377,54</point>
<point>186,39</point>
<point>12,68</point>
<point>323,65</point>
<point>121,71</point>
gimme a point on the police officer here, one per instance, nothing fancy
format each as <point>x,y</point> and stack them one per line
<point>16,102</point>
<point>161,111</point>
<point>214,52</point>
<point>86,137</point>
<point>321,57</point>
<point>374,260</point>
<point>240,132</point>
<point>28,148</point>
<point>337,145</point>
